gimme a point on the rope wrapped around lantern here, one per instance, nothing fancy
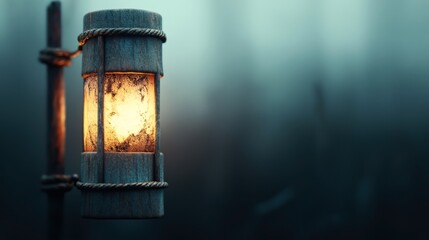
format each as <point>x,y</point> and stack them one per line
<point>122,167</point>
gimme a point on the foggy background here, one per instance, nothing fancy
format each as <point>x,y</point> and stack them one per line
<point>297,119</point>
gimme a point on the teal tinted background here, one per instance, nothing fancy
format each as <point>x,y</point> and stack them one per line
<point>280,120</point>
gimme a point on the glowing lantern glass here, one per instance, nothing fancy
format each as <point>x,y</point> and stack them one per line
<point>129,113</point>
<point>122,166</point>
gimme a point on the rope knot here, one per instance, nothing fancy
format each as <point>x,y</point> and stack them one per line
<point>57,183</point>
<point>58,57</point>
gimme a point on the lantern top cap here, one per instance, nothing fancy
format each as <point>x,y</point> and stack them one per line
<point>122,18</point>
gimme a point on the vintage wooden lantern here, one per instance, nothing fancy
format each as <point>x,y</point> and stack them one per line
<point>122,165</point>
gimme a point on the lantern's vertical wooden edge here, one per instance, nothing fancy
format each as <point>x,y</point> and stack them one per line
<point>159,167</point>
<point>157,112</point>
<point>100,115</point>
<point>159,157</point>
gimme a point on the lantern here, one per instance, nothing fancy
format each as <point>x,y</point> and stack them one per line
<point>121,165</point>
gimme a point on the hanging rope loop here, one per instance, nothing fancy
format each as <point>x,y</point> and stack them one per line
<point>57,182</point>
<point>58,57</point>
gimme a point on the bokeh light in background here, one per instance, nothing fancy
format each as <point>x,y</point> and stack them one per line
<point>280,120</point>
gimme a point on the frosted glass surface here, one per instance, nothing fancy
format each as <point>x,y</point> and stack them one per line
<point>129,113</point>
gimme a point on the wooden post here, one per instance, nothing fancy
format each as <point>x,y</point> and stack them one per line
<point>56,122</point>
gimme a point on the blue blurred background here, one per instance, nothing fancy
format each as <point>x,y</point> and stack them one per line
<point>297,119</point>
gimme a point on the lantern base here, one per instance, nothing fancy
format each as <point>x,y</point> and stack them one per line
<point>122,168</point>
<point>124,204</point>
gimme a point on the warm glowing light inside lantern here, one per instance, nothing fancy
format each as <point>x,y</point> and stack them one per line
<point>129,113</point>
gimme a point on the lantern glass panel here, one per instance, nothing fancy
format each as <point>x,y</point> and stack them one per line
<point>129,113</point>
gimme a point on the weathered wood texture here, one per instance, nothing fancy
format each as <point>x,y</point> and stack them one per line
<point>158,112</point>
<point>100,102</point>
<point>159,158</point>
<point>56,122</point>
<point>121,168</point>
<point>123,53</point>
